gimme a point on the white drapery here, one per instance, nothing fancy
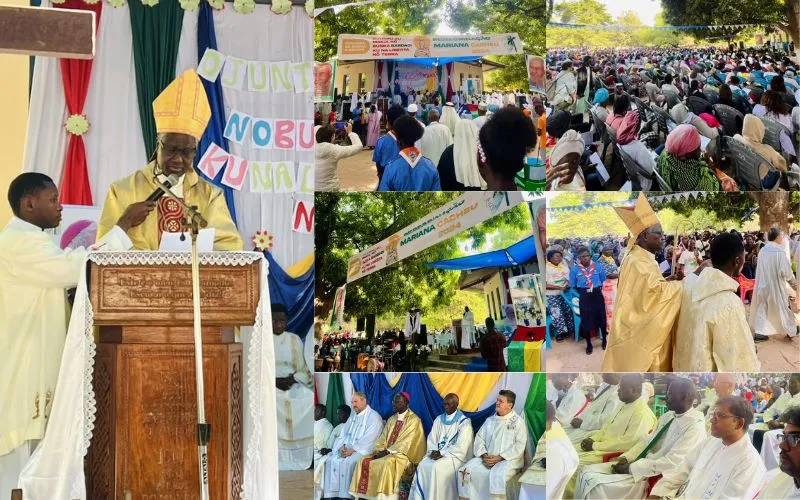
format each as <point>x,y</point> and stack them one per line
<point>114,143</point>
<point>56,469</point>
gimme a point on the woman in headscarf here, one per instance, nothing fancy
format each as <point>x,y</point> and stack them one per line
<point>565,173</point>
<point>681,115</point>
<point>458,165</point>
<point>449,117</point>
<point>622,104</point>
<point>611,267</point>
<point>628,140</point>
<point>681,165</point>
<point>601,103</point>
<point>775,108</point>
<point>753,136</point>
<point>558,309</point>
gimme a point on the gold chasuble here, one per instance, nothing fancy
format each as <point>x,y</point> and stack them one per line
<point>182,108</point>
<point>147,236</point>
<point>405,440</point>
<point>647,304</point>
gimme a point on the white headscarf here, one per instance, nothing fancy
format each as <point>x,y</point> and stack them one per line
<point>465,154</point>
<point>449,118</point>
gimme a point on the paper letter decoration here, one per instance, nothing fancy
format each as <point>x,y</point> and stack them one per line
<point>305,135</point>
<point>262,133</point>
<point>235,172</point>
<point>261,180</point>
<point>212,161</point>
<point>237,127</point>
<point>305,178</point>
<point>284,134</point>
<point>257,76</point>
<point>281,74</point>
<point>283,174</point>
<point>211,64</point>
<point>303,75</point>
<point>303,220</point>
<point>233,74</point>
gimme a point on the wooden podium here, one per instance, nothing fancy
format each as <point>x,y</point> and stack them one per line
<point>144,445</point>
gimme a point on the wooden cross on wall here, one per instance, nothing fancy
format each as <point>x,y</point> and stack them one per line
<point>40,31</point>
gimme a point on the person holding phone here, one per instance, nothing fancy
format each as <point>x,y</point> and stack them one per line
<point>328,154</point>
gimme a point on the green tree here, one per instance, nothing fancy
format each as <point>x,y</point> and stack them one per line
<point>347,223</point>
<point>778,14</point>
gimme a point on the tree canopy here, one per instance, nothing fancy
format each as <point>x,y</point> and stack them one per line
<point>772,13</point>
<point>347,223</point>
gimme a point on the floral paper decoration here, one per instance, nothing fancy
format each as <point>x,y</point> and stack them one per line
<point>262,241</point>
<point>217,4</point>
<point>190,5</point>
<point>310,8</point>
<point>244,6</point>
<point>281,6</point>
<point>150,3</point>
<point>77,125</point>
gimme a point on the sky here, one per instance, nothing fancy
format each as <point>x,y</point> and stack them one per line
<point>645,9</point>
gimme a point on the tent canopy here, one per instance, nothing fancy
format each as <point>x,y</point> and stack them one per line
<point>519,253</point>
<point>435,61</point>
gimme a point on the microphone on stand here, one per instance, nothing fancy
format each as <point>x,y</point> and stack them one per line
<point>159,192</point>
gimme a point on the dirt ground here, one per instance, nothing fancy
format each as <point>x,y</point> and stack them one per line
<point>777,354</point>
<point>296,485</point>
<point>358,173</point>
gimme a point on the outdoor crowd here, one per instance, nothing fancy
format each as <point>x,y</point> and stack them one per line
<point>673,119</point>
<point>576,310</point>
<point>686,435</point>
<point>467,143</point>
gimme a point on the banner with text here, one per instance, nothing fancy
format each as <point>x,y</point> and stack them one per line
<point>357,47</point>
<point>417,77</point>
<point>466,211</point>
<point>256,76</point>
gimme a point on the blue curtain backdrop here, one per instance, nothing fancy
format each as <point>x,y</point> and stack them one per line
<point>297,294</point>
<point>207,38</point>
<point>425,401</point>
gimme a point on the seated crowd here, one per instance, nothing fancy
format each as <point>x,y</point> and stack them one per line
<point>670,119</point>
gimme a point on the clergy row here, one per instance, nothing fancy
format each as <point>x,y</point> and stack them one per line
<point>364,458</point>
<point>36,272</point>
<point>613,446</point>
<point>697,323</point>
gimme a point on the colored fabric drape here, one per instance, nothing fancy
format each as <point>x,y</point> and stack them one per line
<point>75,76</point>
<point>471,392</point>
<point>390,74</point>
<point>450,90</point>
<point>156,35</point>
<point>301,267</point>
<point>535,407</point>
<point>207,39</point>
<point>335,397</point>
<point>533,356</point>
<point>439,83</point>
<point>297,294</point>
<point>516,357</point>
<point>425,399</point>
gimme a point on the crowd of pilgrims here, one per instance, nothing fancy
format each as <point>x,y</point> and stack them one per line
<point>687,435</point>
<point>673,119</point>
<point>420,144</point>
<point>567,302</point>
<point>365,457</point>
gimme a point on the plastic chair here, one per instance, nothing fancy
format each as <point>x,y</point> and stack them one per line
<point>730,118</point>
<point>745,286</point>
<point>547,343</point>
<point>662,184</point>
<point>698,105</point>
<point>748,164</point>
<point>659,405</point>
<point>573,299</point>
<point>633,169</point>
<point>673,98</point>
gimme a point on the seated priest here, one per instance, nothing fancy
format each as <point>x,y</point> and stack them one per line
<point>398,450</point>
<point>632,422</point>
<point>784,482</point>
<point>724,465</point>
<point>553,464</point>
<point>356,440</point>
<point>322,451</point>
<point>765,435</point>
<point>678,431</point>
<point>295,399</point>
<point>572,402</point>
<point>34,276</point>
<point>602,407</point>
<point>449,447</point>
<point>322,430</point>
<point>724,385</point>
<point>181,115</point>
<point>499,451</point>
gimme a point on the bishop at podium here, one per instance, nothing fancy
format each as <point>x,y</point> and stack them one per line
<point>181,112</point>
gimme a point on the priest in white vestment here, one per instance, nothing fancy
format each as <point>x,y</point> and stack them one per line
<point>678,432</point>
<point>499,452</point>
<point>784,482</point>
<point>766,435</point>
<point>770,313</point>
<point>35,274</point>
<point>724,465</point>
<point>572,402</point>
<point>712,333</point>
<point>723,385</point>
<point>468,338</point>
<point>357,439</point>
<point>449,446</point>
<point>600,409</point>
<point>436,138</point>
<point>295,399</point>
<point>551,393</point>
<point>553,464</point>
<point>322,430</point>
<point>633,421</point>
<point>321,455</point>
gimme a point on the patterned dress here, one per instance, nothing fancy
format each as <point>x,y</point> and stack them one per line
<point>563,323</point>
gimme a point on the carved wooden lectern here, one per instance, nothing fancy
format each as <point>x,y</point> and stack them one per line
<point>144,445</point>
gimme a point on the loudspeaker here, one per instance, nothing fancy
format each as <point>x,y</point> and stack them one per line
<point>422,338</point>
<point>360,323</point>
<point>370,327</point>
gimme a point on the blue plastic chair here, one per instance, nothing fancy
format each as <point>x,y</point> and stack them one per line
<point>547,343</point>
<point>572,299</point>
